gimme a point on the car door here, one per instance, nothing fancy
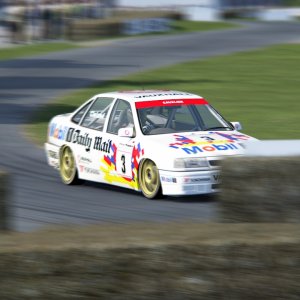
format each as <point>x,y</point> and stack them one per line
<point>92,142</point>
<point>118,166</point>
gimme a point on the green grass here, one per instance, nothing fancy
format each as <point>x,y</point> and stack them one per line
<point>261,89</point>
<point>190,26</point>
<point>295,3</point>
<point>34,49</point>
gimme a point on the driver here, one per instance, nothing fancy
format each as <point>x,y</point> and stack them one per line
<point>145,124</point>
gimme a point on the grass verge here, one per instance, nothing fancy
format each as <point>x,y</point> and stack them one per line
<point>179,26</point>
<point>191,26</point>
<point>291,3</point>
<point>34,49</point>
<point>258,88</point>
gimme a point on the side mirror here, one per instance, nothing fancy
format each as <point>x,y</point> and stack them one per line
<point>237,125</point>
<point>126,132</point>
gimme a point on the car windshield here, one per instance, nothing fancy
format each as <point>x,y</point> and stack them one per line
<point>173,118</point>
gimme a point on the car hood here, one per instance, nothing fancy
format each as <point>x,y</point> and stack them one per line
<point>198,144</point>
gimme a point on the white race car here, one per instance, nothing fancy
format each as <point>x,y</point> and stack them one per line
<point>158,142</point>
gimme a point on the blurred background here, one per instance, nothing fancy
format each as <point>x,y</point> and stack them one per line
<point>259,87</point>
<point>28,21</point>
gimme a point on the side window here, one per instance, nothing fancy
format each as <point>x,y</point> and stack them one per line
<point>96,115</point>
<point>120,117</point>
<point>77,117</point>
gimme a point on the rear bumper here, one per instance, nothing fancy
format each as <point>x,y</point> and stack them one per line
<point>190,183</point>
<point>52,154</point>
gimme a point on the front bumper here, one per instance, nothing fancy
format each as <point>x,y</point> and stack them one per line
<point>190,183</point>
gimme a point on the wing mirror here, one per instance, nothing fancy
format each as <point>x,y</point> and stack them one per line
<point>126,132</point>
<point>237,125</point>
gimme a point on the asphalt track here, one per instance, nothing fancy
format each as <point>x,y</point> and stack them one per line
<point>39,198</point>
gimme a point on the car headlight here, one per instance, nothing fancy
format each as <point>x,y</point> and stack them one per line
<point>189,163</point>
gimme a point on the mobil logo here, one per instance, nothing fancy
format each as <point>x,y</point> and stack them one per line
<point>58,131</point>
<point>209,148</point>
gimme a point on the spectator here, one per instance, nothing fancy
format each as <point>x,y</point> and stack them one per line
<point>47,20</point>
<point>32,18</point>
<point>14,26</point>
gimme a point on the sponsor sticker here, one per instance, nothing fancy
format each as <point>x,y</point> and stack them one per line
<point>58,131</point>
<point>161,94</point>
<point>197,180</point>
<point>77,137</point>
<point>168,179</point>
<point>190,146</point>
<point>53,154</point>
<point>88,170</point>
<point>84,160</point>
<point>84,139</point>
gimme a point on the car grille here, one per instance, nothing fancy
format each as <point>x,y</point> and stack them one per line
<point>215,163</point>
<point>215,186</point>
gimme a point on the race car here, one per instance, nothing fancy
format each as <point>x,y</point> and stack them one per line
<point>159,142</point>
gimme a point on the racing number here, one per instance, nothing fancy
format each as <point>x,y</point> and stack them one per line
<point>123,162</point>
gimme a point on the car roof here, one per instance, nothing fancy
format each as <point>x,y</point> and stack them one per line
<point>149,95</point>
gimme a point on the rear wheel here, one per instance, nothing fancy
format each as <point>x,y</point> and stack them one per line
<point>149,179</point>
<point>67,166</point>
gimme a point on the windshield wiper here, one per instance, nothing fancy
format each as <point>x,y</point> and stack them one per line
<point>218,127</point>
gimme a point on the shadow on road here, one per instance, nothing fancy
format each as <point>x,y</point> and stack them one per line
<point>39,82</point>
<point>118,192</point>
<point>11,113</point>
<point>56,64</point>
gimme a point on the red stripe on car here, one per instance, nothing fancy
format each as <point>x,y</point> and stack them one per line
<point>170,102</point>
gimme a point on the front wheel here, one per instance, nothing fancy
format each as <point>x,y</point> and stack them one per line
<point>67,166</point>
<point>149,179</point>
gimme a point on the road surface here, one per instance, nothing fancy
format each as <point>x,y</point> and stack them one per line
<point>39,198</point>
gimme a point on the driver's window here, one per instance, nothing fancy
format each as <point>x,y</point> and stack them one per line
<point>120,117</point>
<point>96,115</point>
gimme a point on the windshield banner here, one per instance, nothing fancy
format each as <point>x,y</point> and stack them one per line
<point>170,102</point>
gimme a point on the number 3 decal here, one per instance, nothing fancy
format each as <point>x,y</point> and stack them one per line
<point>123,162</point>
